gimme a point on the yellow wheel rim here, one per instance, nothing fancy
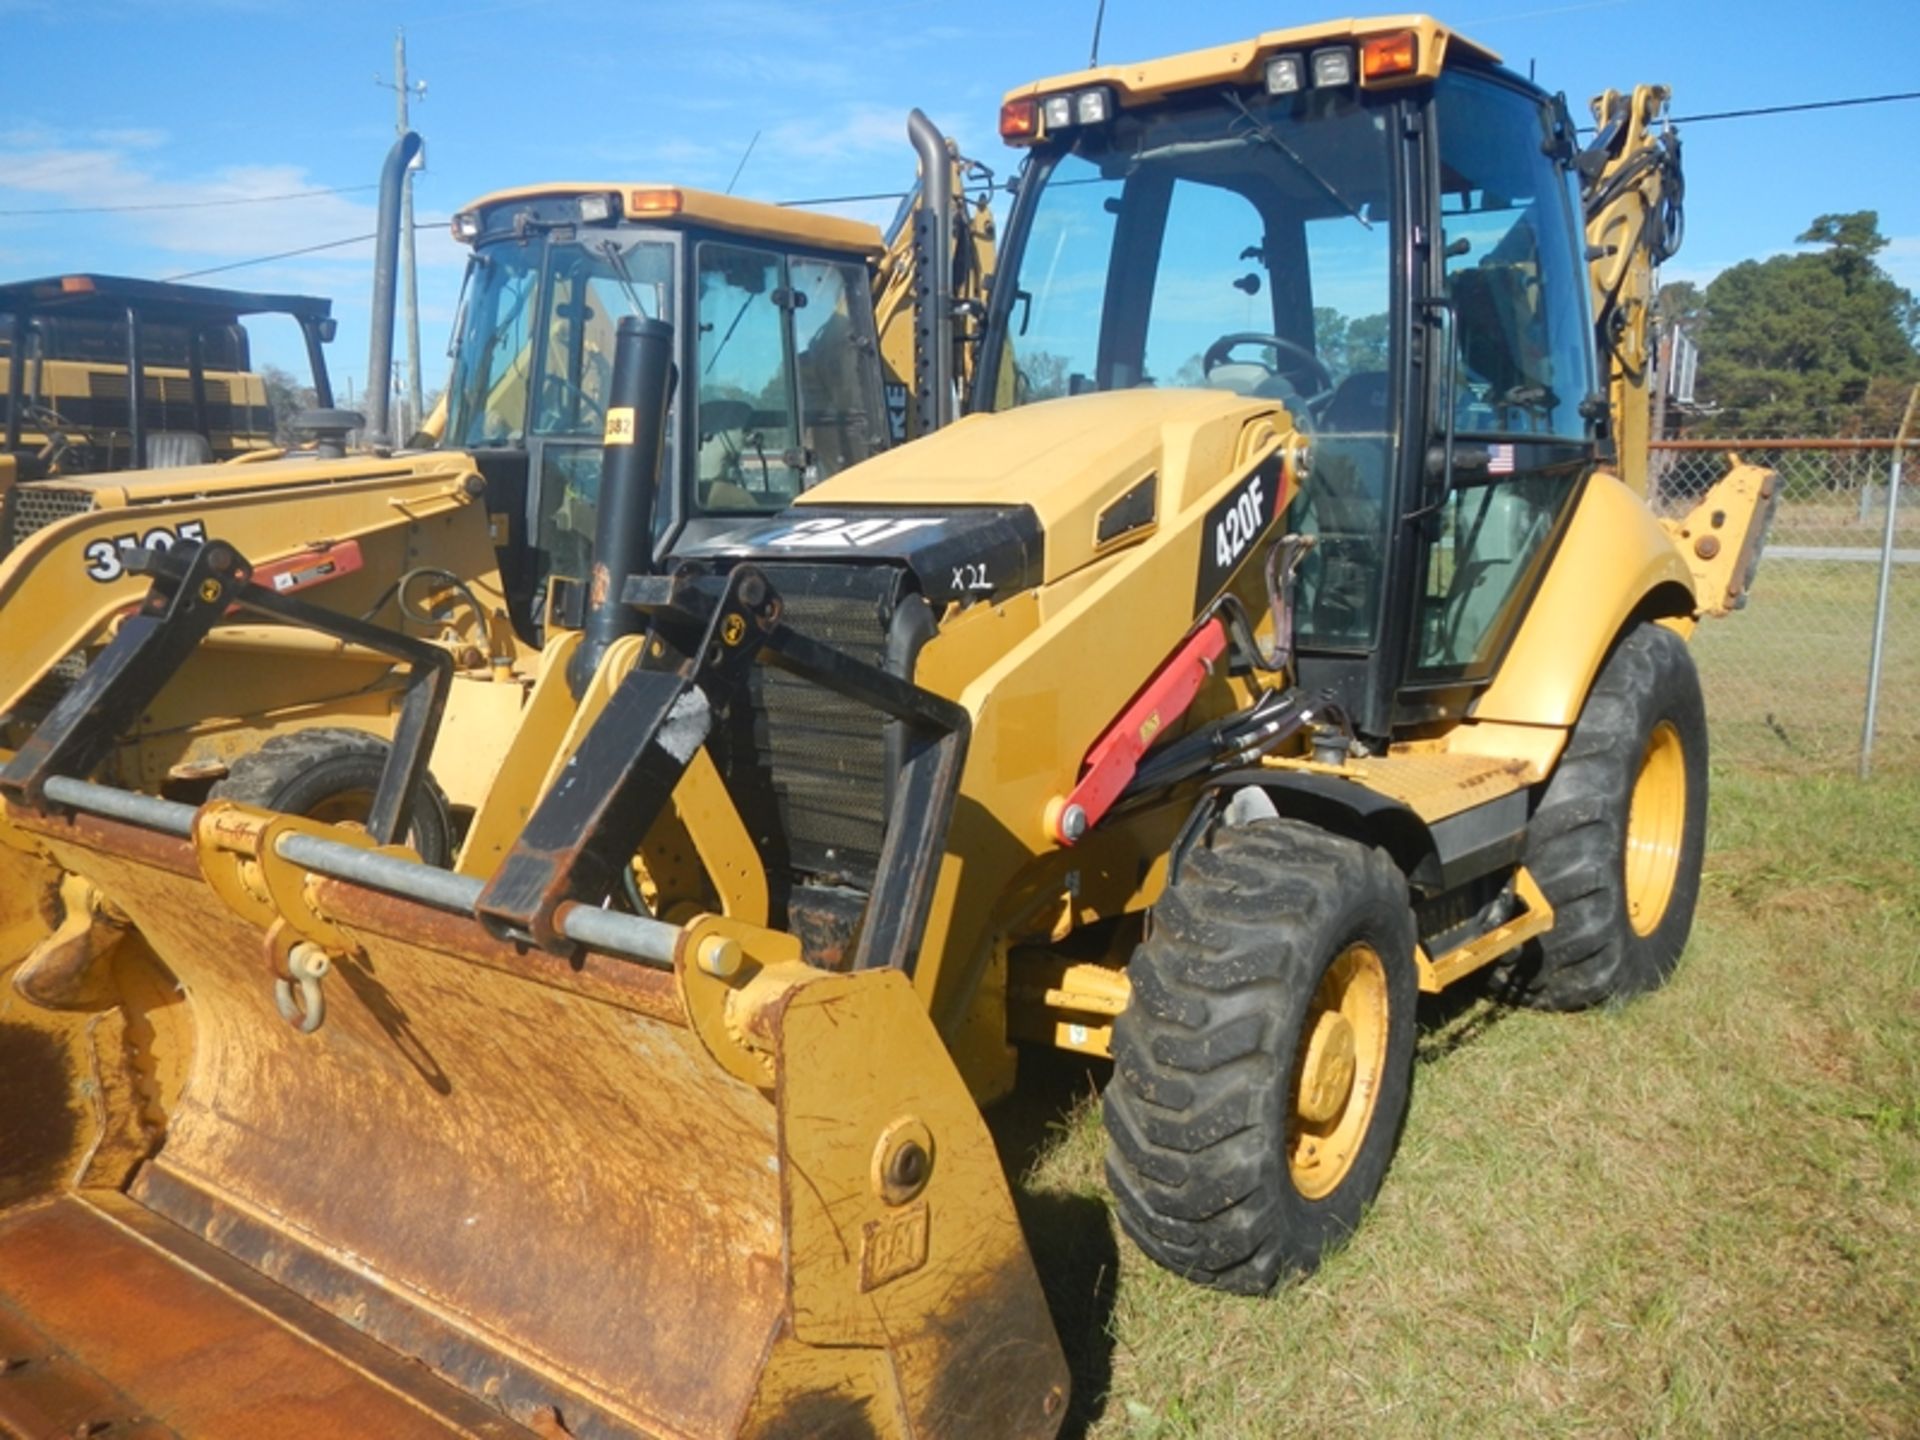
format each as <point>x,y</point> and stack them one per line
<point>1336,1082</point>
<point>1656,827</point>
<point>349,807</point>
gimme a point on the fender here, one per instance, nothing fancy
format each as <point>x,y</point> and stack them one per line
<point>1616,565</point>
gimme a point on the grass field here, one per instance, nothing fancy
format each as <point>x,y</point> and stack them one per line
<point>1695,1215</point>
<point>1786,678</point>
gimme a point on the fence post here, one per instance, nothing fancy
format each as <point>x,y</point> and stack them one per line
<point>1886,578</point>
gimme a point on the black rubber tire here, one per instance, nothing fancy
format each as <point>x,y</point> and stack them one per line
<point>1577,840</point>
<point>299,772</point>
<point>1207,1050</point>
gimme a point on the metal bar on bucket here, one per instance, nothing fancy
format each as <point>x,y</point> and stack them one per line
<point>148,810</point>
<point>638,936</point>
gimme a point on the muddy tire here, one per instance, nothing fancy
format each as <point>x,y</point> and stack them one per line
<point>1262,1066</point>
<point>1617,840</point>
<point>331,775</point>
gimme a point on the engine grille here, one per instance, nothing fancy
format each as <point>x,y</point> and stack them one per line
<point>34,507</point>
<point>826,756</point>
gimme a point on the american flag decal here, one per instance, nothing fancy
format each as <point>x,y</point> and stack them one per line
<point>1499,459</point>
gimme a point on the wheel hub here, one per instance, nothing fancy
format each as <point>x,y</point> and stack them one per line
<point>1656,829</point>
<point>1327,1078</point>
<point>1341,1062</point>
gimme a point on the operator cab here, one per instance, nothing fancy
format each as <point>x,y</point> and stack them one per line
<point>779,384</point>
<point>76,349</point>
<point>1375,226</point>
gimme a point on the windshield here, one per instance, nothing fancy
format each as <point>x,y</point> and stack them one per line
<point>1244,246</point>
<point>553,305</point>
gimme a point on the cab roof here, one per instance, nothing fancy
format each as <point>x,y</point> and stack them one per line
<point>1240,63</point>
<point>110,296</point>
<point>705,207</point>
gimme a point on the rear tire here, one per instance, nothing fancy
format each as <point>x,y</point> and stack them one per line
<point>1617,841</point>
<point>331,774</point>
<point>1243,1142</point>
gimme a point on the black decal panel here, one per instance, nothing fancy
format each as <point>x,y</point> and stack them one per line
<point>1234,525</point>
<point>976,553</point>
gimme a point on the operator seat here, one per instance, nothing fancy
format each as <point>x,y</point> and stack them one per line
<point>171,449</point>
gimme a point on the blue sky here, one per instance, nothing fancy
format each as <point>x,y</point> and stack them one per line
<point>113,102</point>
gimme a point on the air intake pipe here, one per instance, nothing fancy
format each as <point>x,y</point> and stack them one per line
<point>933,277</point>
<point>635,438</point>
<point>386,258</point>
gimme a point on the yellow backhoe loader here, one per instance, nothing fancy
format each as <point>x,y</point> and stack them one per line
<point>1282,636</point>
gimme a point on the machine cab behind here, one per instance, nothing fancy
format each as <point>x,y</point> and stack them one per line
<point>779,379</point>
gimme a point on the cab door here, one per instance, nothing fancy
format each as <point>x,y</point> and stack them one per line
<point>1512,439</point>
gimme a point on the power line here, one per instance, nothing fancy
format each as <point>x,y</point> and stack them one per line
<point>902,194</point>
<point>1794,109</point>
<point>289,254</point>
<point>187,204</point>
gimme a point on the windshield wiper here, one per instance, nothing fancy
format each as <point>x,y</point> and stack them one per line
<point>1266,132</point>
<point>618,260</point>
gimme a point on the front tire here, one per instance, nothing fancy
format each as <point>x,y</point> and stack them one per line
<point>1263,1064</point>
<point>331,774</point>
<point>1617,842</point>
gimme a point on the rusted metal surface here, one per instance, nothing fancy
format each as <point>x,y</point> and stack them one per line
<point>87,1294</point>
<point>605,978</point>
<point>163,852</point>
<point>571,1187</point>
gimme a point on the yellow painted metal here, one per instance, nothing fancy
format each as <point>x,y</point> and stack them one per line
<point>722,212</point>
<point>1656,828</point>
<point>1622,271</point>
<point>1068,1004</point>
<point>1614,563</point>
<point>1338,1071</point>
<point>402,513</point>
<point>1534,919</point>
<point>1721,536</point>
<point>1158,80</point>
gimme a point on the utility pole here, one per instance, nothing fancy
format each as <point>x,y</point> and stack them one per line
<point>409,290</point>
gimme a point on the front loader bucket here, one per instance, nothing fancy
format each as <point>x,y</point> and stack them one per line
<point>548,1183</point>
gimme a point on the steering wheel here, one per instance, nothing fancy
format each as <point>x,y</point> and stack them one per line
<point>59,445</point>
<point>1304,361</point>
<point>554,380</point>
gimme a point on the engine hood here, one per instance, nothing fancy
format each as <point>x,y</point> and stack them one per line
<point>998,503</point>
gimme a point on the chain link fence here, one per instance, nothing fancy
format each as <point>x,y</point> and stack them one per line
<point>1787,678</point>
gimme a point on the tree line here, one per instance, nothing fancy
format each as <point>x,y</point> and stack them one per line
<point>1819,343</point>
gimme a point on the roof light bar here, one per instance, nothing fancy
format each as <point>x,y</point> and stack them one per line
<point>1331,66</point>
<point>1019,120</point>
<point>1286,75</point>
<point>1387,56</point>
<point>653,202</point>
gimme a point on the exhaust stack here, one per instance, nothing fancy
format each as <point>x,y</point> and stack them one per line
<point>386,255</point>
<point>636,435</point>
<point>933,272</point>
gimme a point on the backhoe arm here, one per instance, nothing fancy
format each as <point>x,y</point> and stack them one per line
<point>1631,189</point>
